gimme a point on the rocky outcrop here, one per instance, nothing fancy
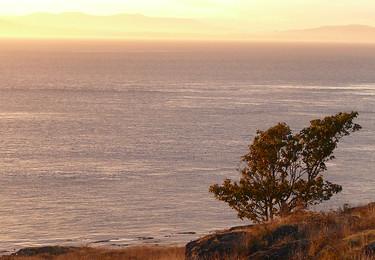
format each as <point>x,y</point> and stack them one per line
<point>282,251</point>
<point>221,244</point>
<point>346,234</point>
<point>251,243</point>
<point>46,250</point>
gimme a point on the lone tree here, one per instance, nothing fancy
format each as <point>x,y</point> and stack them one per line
<point>283,171</point>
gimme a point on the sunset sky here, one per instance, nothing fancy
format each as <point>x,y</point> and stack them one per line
<point>206,18</point>
<point>260,14</point>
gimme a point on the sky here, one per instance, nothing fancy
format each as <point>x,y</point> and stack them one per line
<point>260,15</point>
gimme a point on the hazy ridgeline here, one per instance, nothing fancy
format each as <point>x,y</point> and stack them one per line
<point>116,142</point>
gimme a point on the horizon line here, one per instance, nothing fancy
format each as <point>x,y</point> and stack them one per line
<point>178,18</point>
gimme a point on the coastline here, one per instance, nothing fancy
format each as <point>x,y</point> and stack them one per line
<point>65,253</point>
<point>348,232</point>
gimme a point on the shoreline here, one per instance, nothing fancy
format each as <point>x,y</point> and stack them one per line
<point>92,246</point>
<point>349,231</point>
<point>64,253</point>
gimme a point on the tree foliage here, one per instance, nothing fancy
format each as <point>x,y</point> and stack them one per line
<point>283,171</point>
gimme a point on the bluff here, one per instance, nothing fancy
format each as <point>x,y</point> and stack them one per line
<point>348,233</point>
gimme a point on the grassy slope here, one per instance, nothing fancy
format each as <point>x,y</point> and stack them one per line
<point>305,235</point>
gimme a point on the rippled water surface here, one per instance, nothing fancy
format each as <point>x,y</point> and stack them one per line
<point>117,143</point>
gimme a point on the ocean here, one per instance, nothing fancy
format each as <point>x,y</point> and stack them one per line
<point>116,143</point>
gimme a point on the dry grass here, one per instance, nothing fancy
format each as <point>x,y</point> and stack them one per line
<point>131,253</point>
<point>335,235</point>
<point>343,234</point>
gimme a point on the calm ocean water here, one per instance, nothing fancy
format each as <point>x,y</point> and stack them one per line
<point>117,143</point>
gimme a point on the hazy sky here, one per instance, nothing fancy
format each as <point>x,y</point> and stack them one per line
<point>260,14</point>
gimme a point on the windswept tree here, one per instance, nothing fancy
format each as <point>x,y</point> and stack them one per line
<point>284,171</point>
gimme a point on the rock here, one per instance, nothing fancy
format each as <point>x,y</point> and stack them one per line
<point>369,249</point>
<point>282,232</point>
<point>213,246</point>
<point>101,241</point>
<point>145,238</point>
<point>186,233</point>
<point>48,250</point>
<point>284,251</point>
<point>247,227</point>
<point>242,242</point>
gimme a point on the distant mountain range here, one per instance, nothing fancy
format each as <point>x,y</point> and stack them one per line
<point>134,26</point>
<point>73,25</point>
<point>345,33</point>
